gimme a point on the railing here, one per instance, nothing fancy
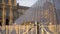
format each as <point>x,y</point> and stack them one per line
<point>30,29</point>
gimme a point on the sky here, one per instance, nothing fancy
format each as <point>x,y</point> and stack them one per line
<point>28,3</point>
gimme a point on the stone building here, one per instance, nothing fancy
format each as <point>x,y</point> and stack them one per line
<point>10,11</point>
<point>21,9</point>
<point>7,8</point>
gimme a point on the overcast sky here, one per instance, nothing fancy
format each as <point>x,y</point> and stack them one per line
<point>26,2</point>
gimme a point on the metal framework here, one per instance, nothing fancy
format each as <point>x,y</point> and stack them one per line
<point>30,29</point>
<point>45,22</point>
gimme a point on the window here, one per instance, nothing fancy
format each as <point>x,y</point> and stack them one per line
<point>12,2</point>
<point>7,12</point>
<point>0,12</point>
<point>0,17</point>
<point>0,1</point>
<point>15,14</point>
<point>6,1</point>
<point>7,16</point>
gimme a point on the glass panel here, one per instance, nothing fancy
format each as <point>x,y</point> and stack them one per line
<point>15,14</point>
<point>12,2</point>
<point>0,12</point>
<point>6,1</point>
<point>7,16</point>
<point>57,6</point>
<point>0,17</point>
<point>44,12</point>
<point>7,12</point>
<point>0,1</point>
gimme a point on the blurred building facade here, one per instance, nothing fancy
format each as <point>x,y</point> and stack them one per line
<point>22,9</point>
<point>44,15</point>
<point>57,7</point>
<point>10,11</point>
<point>44,12</point>
<point>6,11</point>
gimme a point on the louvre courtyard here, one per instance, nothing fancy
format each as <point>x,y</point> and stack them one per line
<point>43,17</point>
